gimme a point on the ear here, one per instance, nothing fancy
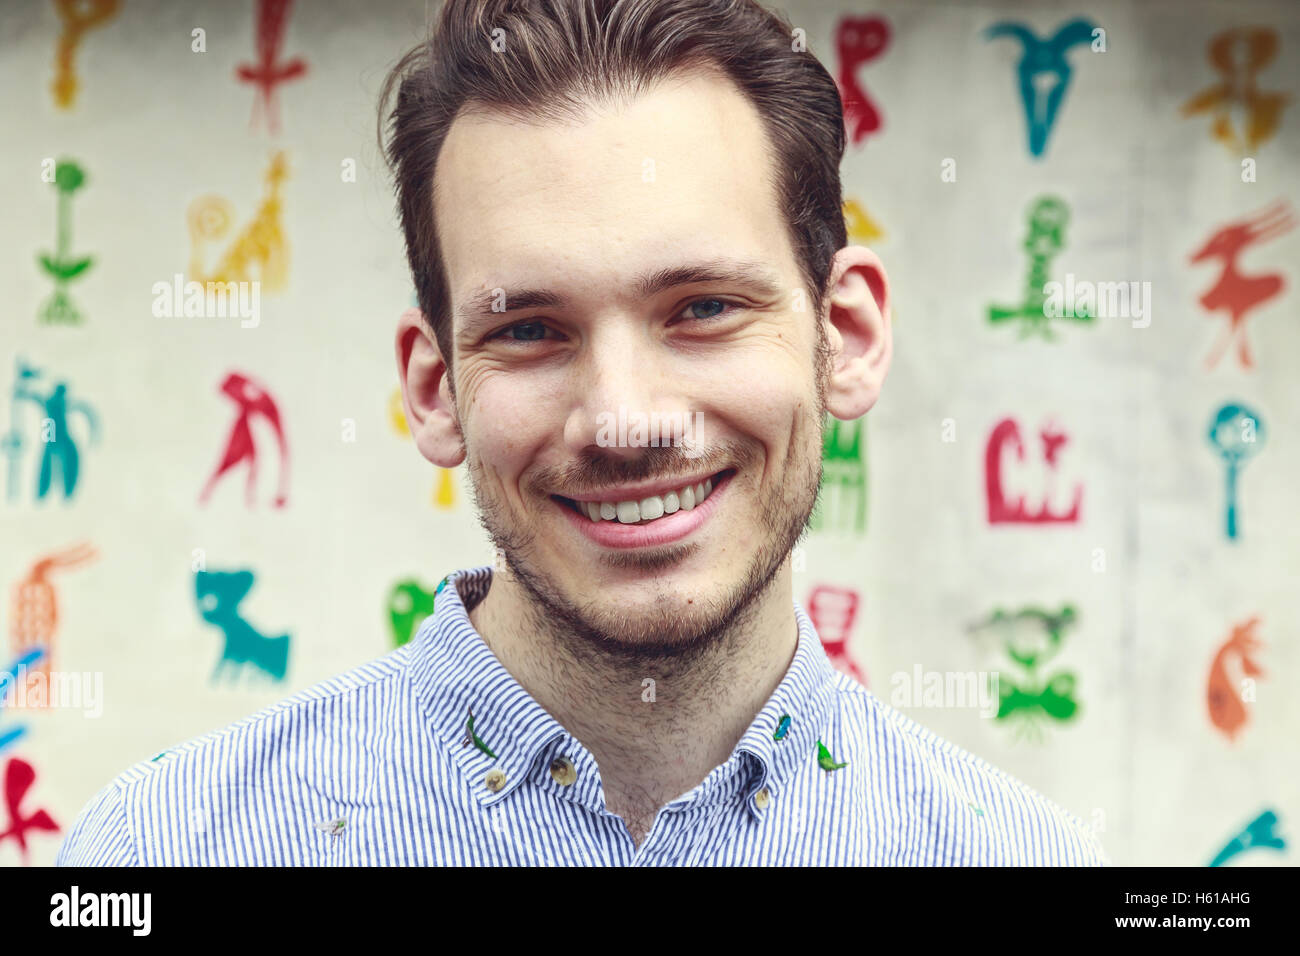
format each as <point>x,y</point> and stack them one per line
<point>426,395</point>
<point>859,332</point>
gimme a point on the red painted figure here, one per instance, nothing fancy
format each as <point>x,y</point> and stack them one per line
<point>266,74</point>
<point>1238,294</point>
<point>19,777</point>
<point>252,400</point>
<point>858,40</point>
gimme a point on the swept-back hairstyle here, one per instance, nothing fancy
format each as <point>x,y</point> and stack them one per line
<point>549,60</point>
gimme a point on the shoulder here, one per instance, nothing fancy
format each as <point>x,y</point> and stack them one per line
<point>997,818</point>
<point>143,816</point>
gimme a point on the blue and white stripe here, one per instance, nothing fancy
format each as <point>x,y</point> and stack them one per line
<point>381,748</point>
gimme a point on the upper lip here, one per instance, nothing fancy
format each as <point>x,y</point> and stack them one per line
<point>644,490</point>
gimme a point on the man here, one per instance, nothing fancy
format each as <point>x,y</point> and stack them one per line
<point>611,209</point>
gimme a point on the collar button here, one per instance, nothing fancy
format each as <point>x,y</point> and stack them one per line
<point>495,779</point>
<point>563,772</point>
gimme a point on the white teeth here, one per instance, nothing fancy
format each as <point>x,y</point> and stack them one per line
<point>649,508</point>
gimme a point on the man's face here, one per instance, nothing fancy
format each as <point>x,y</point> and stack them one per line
<point>598,214</point>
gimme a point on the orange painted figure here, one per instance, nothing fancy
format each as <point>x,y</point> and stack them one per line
<point>1233,292</point>
<point>34,617</point>
<point>1227,709</point>
<point>77,17</point>
<point>1237,56</point>
<point>251,399</point>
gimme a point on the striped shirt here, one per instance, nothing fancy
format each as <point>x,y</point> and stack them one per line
<point>375,767</point>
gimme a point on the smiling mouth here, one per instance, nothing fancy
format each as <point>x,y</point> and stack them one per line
<point>651,508</point>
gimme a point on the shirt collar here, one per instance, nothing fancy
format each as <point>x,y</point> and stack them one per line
<point>453,671</point>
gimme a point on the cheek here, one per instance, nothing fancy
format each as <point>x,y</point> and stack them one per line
<point>508,424</point>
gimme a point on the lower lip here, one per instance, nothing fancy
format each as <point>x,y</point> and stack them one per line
<point>665,530</point>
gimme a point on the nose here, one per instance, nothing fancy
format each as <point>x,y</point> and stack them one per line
<point>626,395</point>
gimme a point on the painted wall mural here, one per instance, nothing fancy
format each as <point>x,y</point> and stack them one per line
<point>1101,541</point>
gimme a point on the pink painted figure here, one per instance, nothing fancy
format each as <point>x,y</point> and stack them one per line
<point>833,610</point>
<point>858,40</point>
<point>1235,293</point>
<point>19,777</point>
<point>1000,510</point>
<point>251,399</point>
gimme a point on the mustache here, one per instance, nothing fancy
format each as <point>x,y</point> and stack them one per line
<point>594,469</point>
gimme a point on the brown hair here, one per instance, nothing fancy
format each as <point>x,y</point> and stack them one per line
<point>559,55</point>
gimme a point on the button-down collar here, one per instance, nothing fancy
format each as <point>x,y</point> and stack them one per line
<point>454,671</point>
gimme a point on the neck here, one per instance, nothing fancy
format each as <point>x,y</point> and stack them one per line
<point>655,741</point>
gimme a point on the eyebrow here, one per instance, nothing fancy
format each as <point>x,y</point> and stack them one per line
<point>753,274</point>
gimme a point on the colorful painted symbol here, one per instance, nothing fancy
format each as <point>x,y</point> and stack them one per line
<point>34,611</point>
<point>1045,238</point>
<point>218,594</point>
<point>1238,56</point>
<point>832,611</point>
<point>59,449</point>
<point>268,72</point>
<point>251,399</point>
<point>858,41</point>
<point>1260,832</point>
<point>782,727</point>
<point>1237,433</point>
<point>1233,293</point>
<point>825,760</point>
<point>1000,510</point>
<point>471,737</point>
<point>77,18</point>
<point>61,266</point>
<point>260,253</point>
<point>842,503</point>
<point>1031,637</point>
<point>859,224</point>
<point>1227,705</point>
<point>19,777</point>
<point>9,691</point>
<point>408,605</point>
<point>1043,73</point>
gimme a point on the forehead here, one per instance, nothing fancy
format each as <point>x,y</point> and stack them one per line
<point>683,173</point>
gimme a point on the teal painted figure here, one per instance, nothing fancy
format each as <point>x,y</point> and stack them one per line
<point>59,452</point>
<point>61,266</point>
<point>1260,832</point>
<point>782,727</point>
<point>218,594</point>
<point>1237,433</point>
<point>1048,216</point>
<point>408,605</point>
<point>1030,638</point>
<point>842,504</point>
<point>1043,73</point>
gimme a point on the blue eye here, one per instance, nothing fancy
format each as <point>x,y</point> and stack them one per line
<point>713,313</point>
<point>528,332</point>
